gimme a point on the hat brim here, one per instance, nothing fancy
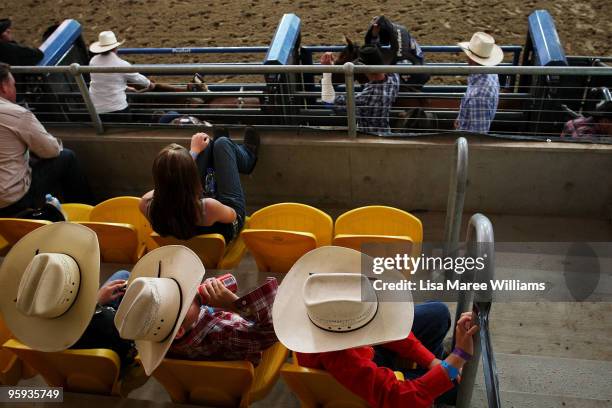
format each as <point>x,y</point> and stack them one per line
<point>296,331</point>
<point>185,267</point>
<point>497,55</point>
<point>60,333</point>
<point>96,48</point>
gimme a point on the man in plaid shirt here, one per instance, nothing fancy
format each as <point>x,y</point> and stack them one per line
<point>479,103</point>
<point>373,103</point>
<point>228,327</point>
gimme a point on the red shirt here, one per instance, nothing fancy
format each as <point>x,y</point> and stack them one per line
<point>378,386</point>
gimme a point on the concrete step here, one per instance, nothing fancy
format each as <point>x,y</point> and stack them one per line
<point>536,381</point>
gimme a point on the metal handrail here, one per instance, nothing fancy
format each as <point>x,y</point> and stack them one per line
<point>456,197</point>
<point>480,243</point>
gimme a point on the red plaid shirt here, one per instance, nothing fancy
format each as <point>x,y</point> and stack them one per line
<point>223,335</point>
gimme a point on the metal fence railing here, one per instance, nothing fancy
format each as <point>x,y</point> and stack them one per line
<point>534,109</point>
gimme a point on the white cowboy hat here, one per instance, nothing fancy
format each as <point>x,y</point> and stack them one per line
<point>482,49</point>
<point>160,291</point>
<point>106,42</point>
<point>326,304</point>
<point>49,283</point>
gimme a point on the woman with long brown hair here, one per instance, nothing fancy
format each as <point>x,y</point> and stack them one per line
<point>177,205</point>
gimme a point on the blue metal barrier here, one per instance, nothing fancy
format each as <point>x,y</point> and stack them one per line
<point>194,50</point>
<point>285,41</point>
<point>60,42</point>
<point>543,41</point>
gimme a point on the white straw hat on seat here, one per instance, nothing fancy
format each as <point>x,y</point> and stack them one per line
<point>106,42</point>
<point>49,284</point>
<point>326,304</point>
<point>160,291</point>
<point>482,49</point>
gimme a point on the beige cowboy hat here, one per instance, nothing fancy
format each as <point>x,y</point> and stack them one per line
<point>326,304</point>
<point>482,49</point>
<point>106,42</point>
<point>160,290</point>
<point>49,284</point>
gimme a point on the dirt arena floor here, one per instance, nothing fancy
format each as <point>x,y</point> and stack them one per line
<point>585,27</point>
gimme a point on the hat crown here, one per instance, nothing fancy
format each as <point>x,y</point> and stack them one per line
<point>149,309</point>
<point>49,286</point>
<point>339,301</point>
<point>482,44</point>
<point>106,38</point>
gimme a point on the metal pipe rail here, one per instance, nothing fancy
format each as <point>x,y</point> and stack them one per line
<point>456,197</point>
<point>480,243</point>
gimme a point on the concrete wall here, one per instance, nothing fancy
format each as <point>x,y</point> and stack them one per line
<point>330,170</point>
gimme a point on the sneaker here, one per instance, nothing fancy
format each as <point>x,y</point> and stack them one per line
<point>251,143</point>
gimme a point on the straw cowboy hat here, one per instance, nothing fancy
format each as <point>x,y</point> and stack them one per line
<point>49,283</point>
<point>106,42</point>
<point>482,49</point>
<point>160,291</point>
<point>326,304</point>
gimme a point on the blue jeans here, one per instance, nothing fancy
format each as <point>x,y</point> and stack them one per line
<point>119,275</point>
<point>431,323</point>
<point>228,159</point>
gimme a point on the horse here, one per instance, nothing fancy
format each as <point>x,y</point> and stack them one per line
<point>412,113</point>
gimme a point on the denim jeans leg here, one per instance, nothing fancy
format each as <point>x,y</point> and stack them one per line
<point>228,158</point>
<point>431,323</point>
<point>204,160</point>
<point>119,275</point>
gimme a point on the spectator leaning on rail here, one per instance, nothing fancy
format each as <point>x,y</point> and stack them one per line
<point>25,179</point>
<point>13,53</point>
<point>328,311</point>
<point>597,125</point>
<point>373,103</point>
<point>177,205</point>
<point>479,103</point>
<point>403,48</point>
<point>108,90</point>
<point>167,308</point>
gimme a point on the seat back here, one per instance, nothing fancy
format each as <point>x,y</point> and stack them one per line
<point>379,220</point>
<point>267,372</point>
<point>77,211</point>
<point>277,250</point>
<point>295,217</point>
<point>10,365</point>
<point>317,388</point>
<point>118,242</point>
<point>209,247</point>
<point>13,229</point>
<point>125,210</point>
<point>212,383</point>
<point>92,371</point>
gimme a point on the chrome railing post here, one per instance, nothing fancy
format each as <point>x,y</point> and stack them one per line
<point>349,81</point>
<point>78,77</point>
<point>456,197</point>
<point>480,243</point>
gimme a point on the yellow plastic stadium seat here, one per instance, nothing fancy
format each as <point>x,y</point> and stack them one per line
<point>125,210</point>
<point>92,371</point>
<point>13,229</point>
<point>317,388</point>
<point>10,365</point>
<point>278,235</point>
<point>118,242</point>
<point>220,383</point>
<point>4,245</point>
<point>76,211</point>
<point>210,248</point>
<point>377,224</point>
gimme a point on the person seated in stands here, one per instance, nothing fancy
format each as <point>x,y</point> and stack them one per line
<point>13,53</point>
<point>373,103</point>
<point>182,177</point>
<point>33,163</point>
<point>165,300</point>
<point>329,313</point>
<point>479,103</point>
<point>402,48</point>
<point>597,124</point>
<point>108,90</point>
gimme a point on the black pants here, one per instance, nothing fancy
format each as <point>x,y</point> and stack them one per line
<point>60,176</point>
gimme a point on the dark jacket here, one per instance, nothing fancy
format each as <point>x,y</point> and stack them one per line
<point>403,45</point>
<point>15,54</point>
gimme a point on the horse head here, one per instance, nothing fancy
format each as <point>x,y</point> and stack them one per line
<point>349,54</point>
